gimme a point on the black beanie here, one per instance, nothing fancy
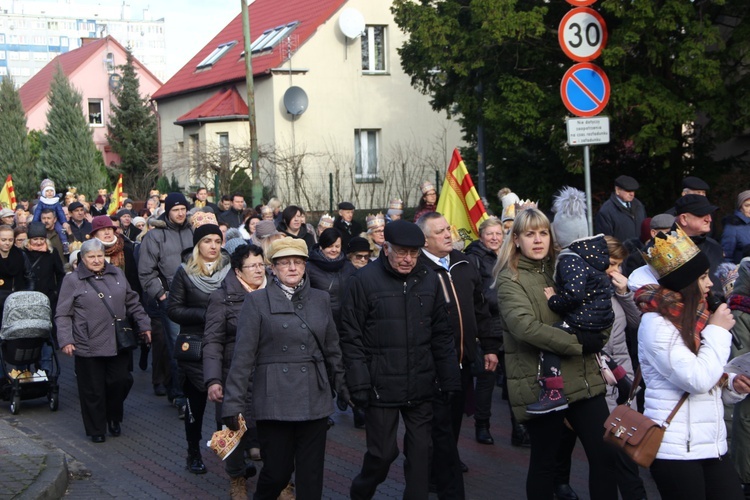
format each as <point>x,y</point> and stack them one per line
<point>202,231</point>
<point>174,200</point>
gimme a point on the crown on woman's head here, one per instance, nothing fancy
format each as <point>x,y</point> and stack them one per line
<point>670,251</point>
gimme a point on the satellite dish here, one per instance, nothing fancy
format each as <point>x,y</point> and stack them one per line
<point>351,23</point>
<point>295,101</point>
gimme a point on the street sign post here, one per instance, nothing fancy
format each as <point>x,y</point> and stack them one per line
<point>585,89</point>
<point>582,34</point>
<point>586,131</point>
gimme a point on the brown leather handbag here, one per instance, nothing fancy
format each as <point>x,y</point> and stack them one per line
<point>637,435</point>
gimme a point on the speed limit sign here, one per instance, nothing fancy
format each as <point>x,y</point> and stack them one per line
<point>582,34</point>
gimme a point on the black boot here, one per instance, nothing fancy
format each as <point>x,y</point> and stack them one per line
<point>194,459</point>
<point>519,436</point>
<point>482,430</point>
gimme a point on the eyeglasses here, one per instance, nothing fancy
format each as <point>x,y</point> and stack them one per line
<point>403,252</point>
<point>288,263</point>
<point>253,266</point>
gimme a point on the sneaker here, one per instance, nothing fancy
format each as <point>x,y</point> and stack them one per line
<point>181,412</point>
<point>549,400</point>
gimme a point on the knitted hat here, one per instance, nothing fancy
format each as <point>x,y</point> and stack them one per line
<point>175,200</point>
<point>234,240</point>
<point>47,184</point>
<point>742,197</point>
<point>264,229</point>
<point>509,199</point>
<point>99,200</point>
<point>138,220</point>
<point>742,283</point>
<point>358,244</point>
<point>100,222</point>
<point>288,247</point>
<point>204,224</point>
<point>570,222</point>
<point>36,230</point>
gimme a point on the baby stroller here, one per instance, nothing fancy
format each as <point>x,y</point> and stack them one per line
<point>26,328</point>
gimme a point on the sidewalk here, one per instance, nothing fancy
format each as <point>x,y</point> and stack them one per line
<point>28,468</point>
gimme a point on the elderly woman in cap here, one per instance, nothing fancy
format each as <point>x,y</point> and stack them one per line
<point>202,272</point>
<point>375,234</point>
<point>7,217</point>
<point>85,329</point>
<point>736,234</point>
<point>358,252</point>
<point>248,275</point>
<point>683,348</point>
<point>286,336</point>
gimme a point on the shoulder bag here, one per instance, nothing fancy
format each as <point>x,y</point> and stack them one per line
<point>124,333</point>
<point>188,347</point>
<point>637,435</point>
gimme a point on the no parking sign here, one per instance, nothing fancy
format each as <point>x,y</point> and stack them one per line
<point>585,89</point>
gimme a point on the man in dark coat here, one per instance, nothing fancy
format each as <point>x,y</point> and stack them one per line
<point>201,201</point>
<point>622,214</point>
<point>346,224</point>
<point>396,342</point>
<point>78,227</point>
<point>233,216</point>
<point>470,319</point>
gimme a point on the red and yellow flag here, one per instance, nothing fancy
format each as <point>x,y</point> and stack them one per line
<point>459,201</point>
<point>8,195</point>
<point>116,202</point>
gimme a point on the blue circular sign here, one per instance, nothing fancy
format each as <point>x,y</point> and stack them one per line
<point>585,89</point>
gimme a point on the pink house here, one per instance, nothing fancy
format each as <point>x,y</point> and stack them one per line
<point>93,70</point>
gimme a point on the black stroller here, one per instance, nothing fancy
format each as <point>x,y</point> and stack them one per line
<point>26,328</point>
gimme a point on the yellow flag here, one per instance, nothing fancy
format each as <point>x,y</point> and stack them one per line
<point>459,201</point>
<point>8,195</point>
<point>116,202</point>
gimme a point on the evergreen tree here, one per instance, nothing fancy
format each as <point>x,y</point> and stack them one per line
<point>15,155</point>
<point>69,156</point>
<point>132,133</point>
<point>679,79</point>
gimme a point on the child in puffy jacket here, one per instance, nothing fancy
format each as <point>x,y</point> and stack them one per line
<point>49,199</point>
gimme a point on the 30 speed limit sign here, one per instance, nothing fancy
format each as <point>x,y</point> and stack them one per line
<point>582,34</point>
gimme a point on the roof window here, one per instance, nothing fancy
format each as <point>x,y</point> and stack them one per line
<point>270,38</point>
<point>214,56</point>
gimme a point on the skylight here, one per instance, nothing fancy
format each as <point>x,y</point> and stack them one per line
<point>215,55</point>
<point>271,37</point>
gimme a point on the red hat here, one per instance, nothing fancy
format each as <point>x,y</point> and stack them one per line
<point>100,222</point>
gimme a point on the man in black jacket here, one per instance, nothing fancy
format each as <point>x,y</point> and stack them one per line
<point>346,224</point>
<point>233,216</point>
<point>622,214</point>
<point>470,320</point>
<point>78,227</point>
<point>396,342</point>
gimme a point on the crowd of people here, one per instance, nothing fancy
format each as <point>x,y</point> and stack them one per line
<point>274,320</point>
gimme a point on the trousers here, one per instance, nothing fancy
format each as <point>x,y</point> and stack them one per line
<point>103,385</point>
<point>708,479</point>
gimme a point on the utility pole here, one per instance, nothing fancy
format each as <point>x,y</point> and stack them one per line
<point>257,186</point>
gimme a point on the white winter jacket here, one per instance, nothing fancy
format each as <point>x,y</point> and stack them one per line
<point>669,369</point>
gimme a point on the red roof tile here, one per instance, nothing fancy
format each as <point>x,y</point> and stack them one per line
<point>227,103</point>
<point>264,15</point>
<point>37,87</point>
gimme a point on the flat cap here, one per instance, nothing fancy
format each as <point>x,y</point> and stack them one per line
<point>661,221</point>
<point>695,204</point>
<point>695,183</point>
<point>6,212</point>
<point>404,234</point>
<point>288,247</point>
<point>627,183</point>
<point>345,205</point>
<point>75,205</point>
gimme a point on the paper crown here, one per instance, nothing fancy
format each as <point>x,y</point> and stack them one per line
<point>374,221</point>
<point>265,209</point>
<point>426,187</point>
<point>202,218</point>
<point>670,251</point>
<point>510,212</point>
<point>396,204</point>
<point>325,221</point>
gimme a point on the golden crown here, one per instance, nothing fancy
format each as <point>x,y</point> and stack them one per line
<point>670,251</point>
<point>375,221</point>
<point>325,221</point>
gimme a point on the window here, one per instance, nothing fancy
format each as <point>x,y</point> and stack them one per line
<point>365,155</point>
<point>195,150</point>
<point>224,149</point>
<point>95,112</point>
<point>270,38</point>
<point>373,49</point>
<point>215,55</point>
<point>2,55</point>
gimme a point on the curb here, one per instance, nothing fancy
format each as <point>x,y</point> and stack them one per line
<point>52,481</point>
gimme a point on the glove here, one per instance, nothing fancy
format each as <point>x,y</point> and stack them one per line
<point>342,399</point>
<point>591,342</point>
<point>232,423</point>
<point>361,399</point>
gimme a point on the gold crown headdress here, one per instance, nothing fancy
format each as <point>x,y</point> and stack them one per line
<point>374,221</point>
<point>426,187</point>
<point>325,221</point>
<point>396,204</point>
<point>670,251</point>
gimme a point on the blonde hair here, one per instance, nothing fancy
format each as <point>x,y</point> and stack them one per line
<point>492,221</point>
<point>529,218</point>
<point>196,264</point>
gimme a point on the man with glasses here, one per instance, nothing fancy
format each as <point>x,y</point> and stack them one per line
<point>396,342</point>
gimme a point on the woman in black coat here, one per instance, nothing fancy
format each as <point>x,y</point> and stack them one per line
<point>328,269</point>
<point>195,280</point>
<point>15,269</point>
<point>248,274</point>
<point>293,224</point>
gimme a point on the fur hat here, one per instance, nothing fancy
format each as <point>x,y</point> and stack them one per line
<point>570,222</point>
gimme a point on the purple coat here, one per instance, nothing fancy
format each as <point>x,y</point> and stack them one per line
<point>84,321</point>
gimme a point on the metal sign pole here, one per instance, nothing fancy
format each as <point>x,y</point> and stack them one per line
<point>587,175</point>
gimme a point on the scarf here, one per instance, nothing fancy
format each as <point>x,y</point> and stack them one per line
<point>739,303</point>
<point>319,259</point>
<point>247,286</point>
<point>208,284</point>
<point>649,297</point>
<point>113,252</point>
<point>288,290</point>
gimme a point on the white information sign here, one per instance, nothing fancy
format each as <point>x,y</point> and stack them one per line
<point>583,131</point>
